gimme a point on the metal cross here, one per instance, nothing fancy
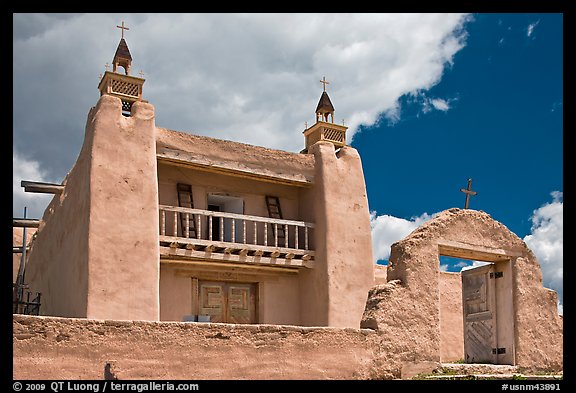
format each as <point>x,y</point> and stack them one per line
<point>123,28</point>
<point>141,73</point>
<point>106,65</point>
<point>468,191</point>
<point>324,82</point>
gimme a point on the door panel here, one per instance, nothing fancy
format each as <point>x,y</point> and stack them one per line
<point>479,303</point>
<point>228,302</point>
<point>241,303</point>
<point>212,301</point>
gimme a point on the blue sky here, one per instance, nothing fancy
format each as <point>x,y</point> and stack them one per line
<point>503,128</point>
<point>430,101</point>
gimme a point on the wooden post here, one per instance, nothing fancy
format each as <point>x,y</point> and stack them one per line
<point>175,224</point>
<point>210,219</point>
<point>296,236</point>
<point>221,229</point>
<point>275,235</point>
<point>187,228</point>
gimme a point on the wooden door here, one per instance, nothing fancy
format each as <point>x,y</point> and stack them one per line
<point>227,302</point>
<point>479,303</point>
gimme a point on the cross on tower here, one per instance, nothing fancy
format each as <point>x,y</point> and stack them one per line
<point>123,28</point>
<point>324,82</point>
<point>468,191</point>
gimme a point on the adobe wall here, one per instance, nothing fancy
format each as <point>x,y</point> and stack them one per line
<point>451,323</point>
<point>227,155</point>
<point>334,292</point>
<point>451,314</point>
<point>59,349</point>
<point>278,294</point>
<point>407,307</point>
<point>57,265</point>
<point>111,272</point>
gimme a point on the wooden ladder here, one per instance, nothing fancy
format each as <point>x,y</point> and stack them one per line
<point>274,211</point>
<point>185,200</point>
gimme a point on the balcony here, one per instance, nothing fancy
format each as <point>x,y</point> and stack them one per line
<point>194,234</point>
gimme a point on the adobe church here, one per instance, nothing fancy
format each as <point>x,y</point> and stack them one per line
<point>153,224</point>
<point>156,224</point>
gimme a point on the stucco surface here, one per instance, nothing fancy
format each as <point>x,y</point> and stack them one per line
<point>407,307</point>
<point>235,156</point>
<point>334,292</point>
<point>60,348</point>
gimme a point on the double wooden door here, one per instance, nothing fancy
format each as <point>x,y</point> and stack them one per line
<point>228,302</point>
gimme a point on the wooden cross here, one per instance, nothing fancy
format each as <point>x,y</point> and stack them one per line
<point>468,191</point>
<point>123,28</point>
<point>324,82</point>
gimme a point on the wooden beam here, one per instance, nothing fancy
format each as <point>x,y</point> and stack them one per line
<point>475,252</point>
<point>25,222</point>
<point>213,245</point>
<point>167,252</point>
<point>40,187</point>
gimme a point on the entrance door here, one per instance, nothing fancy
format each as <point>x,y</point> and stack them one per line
<point>479,303</point>
<point>227,302</point>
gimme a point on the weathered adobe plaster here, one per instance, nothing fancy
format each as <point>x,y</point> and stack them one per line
<point>334,292</point>
<point>407,307</point>
<point>62,348</point>
<point>97,251</point>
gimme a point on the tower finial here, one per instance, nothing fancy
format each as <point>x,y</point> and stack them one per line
<point>123,28</point>
<point>325,82</point>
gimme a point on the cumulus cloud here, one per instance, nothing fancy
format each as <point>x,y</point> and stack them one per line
<point>387,230</point>
<point>245,77</point>
<point>546,241</point>
<point>24,169</point>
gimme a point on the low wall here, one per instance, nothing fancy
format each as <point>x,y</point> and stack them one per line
<point>68,348</point>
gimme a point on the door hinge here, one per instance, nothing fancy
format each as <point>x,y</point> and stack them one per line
<point>497,275</point>
<point>498,351</point>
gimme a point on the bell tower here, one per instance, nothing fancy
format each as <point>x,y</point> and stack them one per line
<point>124,86</point>
<point>325,129</point>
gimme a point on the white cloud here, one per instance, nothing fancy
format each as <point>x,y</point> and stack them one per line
<point>440,104</point>
<point>530,28</point>
<point>474,264</point>
<point>24,169</point>
<point>546,241</point>
<point>245,77</point>
<point>387,230</point>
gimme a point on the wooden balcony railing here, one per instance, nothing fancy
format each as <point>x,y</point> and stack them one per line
<point>249,238</point>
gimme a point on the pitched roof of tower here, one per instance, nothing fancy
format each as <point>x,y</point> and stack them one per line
<point>122,50</point>
<point>324,105</point>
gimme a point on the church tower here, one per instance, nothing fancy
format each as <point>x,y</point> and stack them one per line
<point>325,129</point>
<point>124,86</point>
